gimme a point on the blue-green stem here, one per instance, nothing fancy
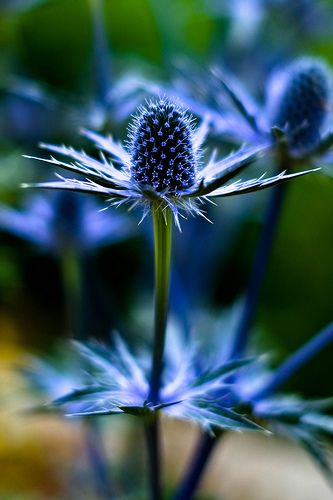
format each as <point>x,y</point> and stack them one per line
<point>101,56</point>
<point>207,443</point>
<point>152,434</point>
<point>294,363</point>
<point>162,222</point>
<point>71,266</point>
<point>162,219</point>
<point>258,270</point>
<point>193,475</point>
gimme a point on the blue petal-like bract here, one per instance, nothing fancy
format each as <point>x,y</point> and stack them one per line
<point>163,156</point>
<point>303,103</point>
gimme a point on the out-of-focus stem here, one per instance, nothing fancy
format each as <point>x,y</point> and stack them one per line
<point>196,468</point>
<point>71,266</point>
<point>258,270</point>
<point>295,362</point>
<point>101,58</point>
<point>98,460</point>
<point>207,443</point>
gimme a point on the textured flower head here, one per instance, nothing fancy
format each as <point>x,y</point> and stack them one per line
<point>162,150</point>
<point>298,100</point>
<point>159,166</point>
<point>302,102</point>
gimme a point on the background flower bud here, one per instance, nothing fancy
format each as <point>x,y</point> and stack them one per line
<point>303,102</point>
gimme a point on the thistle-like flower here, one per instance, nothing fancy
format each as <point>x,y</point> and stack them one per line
<point>114,382</point>
<point>301,103</point>
<point>298,99</point>
<point>160,164</point>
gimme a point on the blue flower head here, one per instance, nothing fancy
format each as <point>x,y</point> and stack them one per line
<point>296,108</point>
<point>302,102</point>
<point>159,167</point>
<point>162,148</point>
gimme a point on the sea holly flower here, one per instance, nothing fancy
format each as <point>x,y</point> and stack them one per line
<point>256,391</point>
<point>113,381</point>
<point>159,165</point>
<point>294,115</point>
<point>301,103</point>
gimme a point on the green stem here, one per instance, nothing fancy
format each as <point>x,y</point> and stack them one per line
<point>162,219</point>
<point>71,267</point>
<point>152,432</point>
<point>162,222</point>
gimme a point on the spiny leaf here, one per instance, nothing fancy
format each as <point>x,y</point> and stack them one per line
<point>252,185</point>
<point>216,174</point>
<point>315,450</point>
<point>320,423</point>
<point>77,394</point>
<point>225,369</point>
<point>237,100</point>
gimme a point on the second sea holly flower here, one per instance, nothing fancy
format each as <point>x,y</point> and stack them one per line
<point>298,99</point>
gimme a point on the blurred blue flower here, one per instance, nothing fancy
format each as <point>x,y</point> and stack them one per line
<point>305,421</point>
<point>249,18</point>
<point>57,221</point>
<point>295,114</point>
<point>255,392</point>
<point>113,381</point>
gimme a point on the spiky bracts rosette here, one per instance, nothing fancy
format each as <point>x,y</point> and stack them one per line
<point>115,382</point>
<point>160,164</point>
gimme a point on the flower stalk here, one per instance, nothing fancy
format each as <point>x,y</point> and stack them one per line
<point>162,225</point>
<point>162,221</point>
<point>101,54</point>
<point>192,478</point>
<point>258,270</point>
<point>295,362</point>
<point>207,442</point>
<point>152,434</point>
